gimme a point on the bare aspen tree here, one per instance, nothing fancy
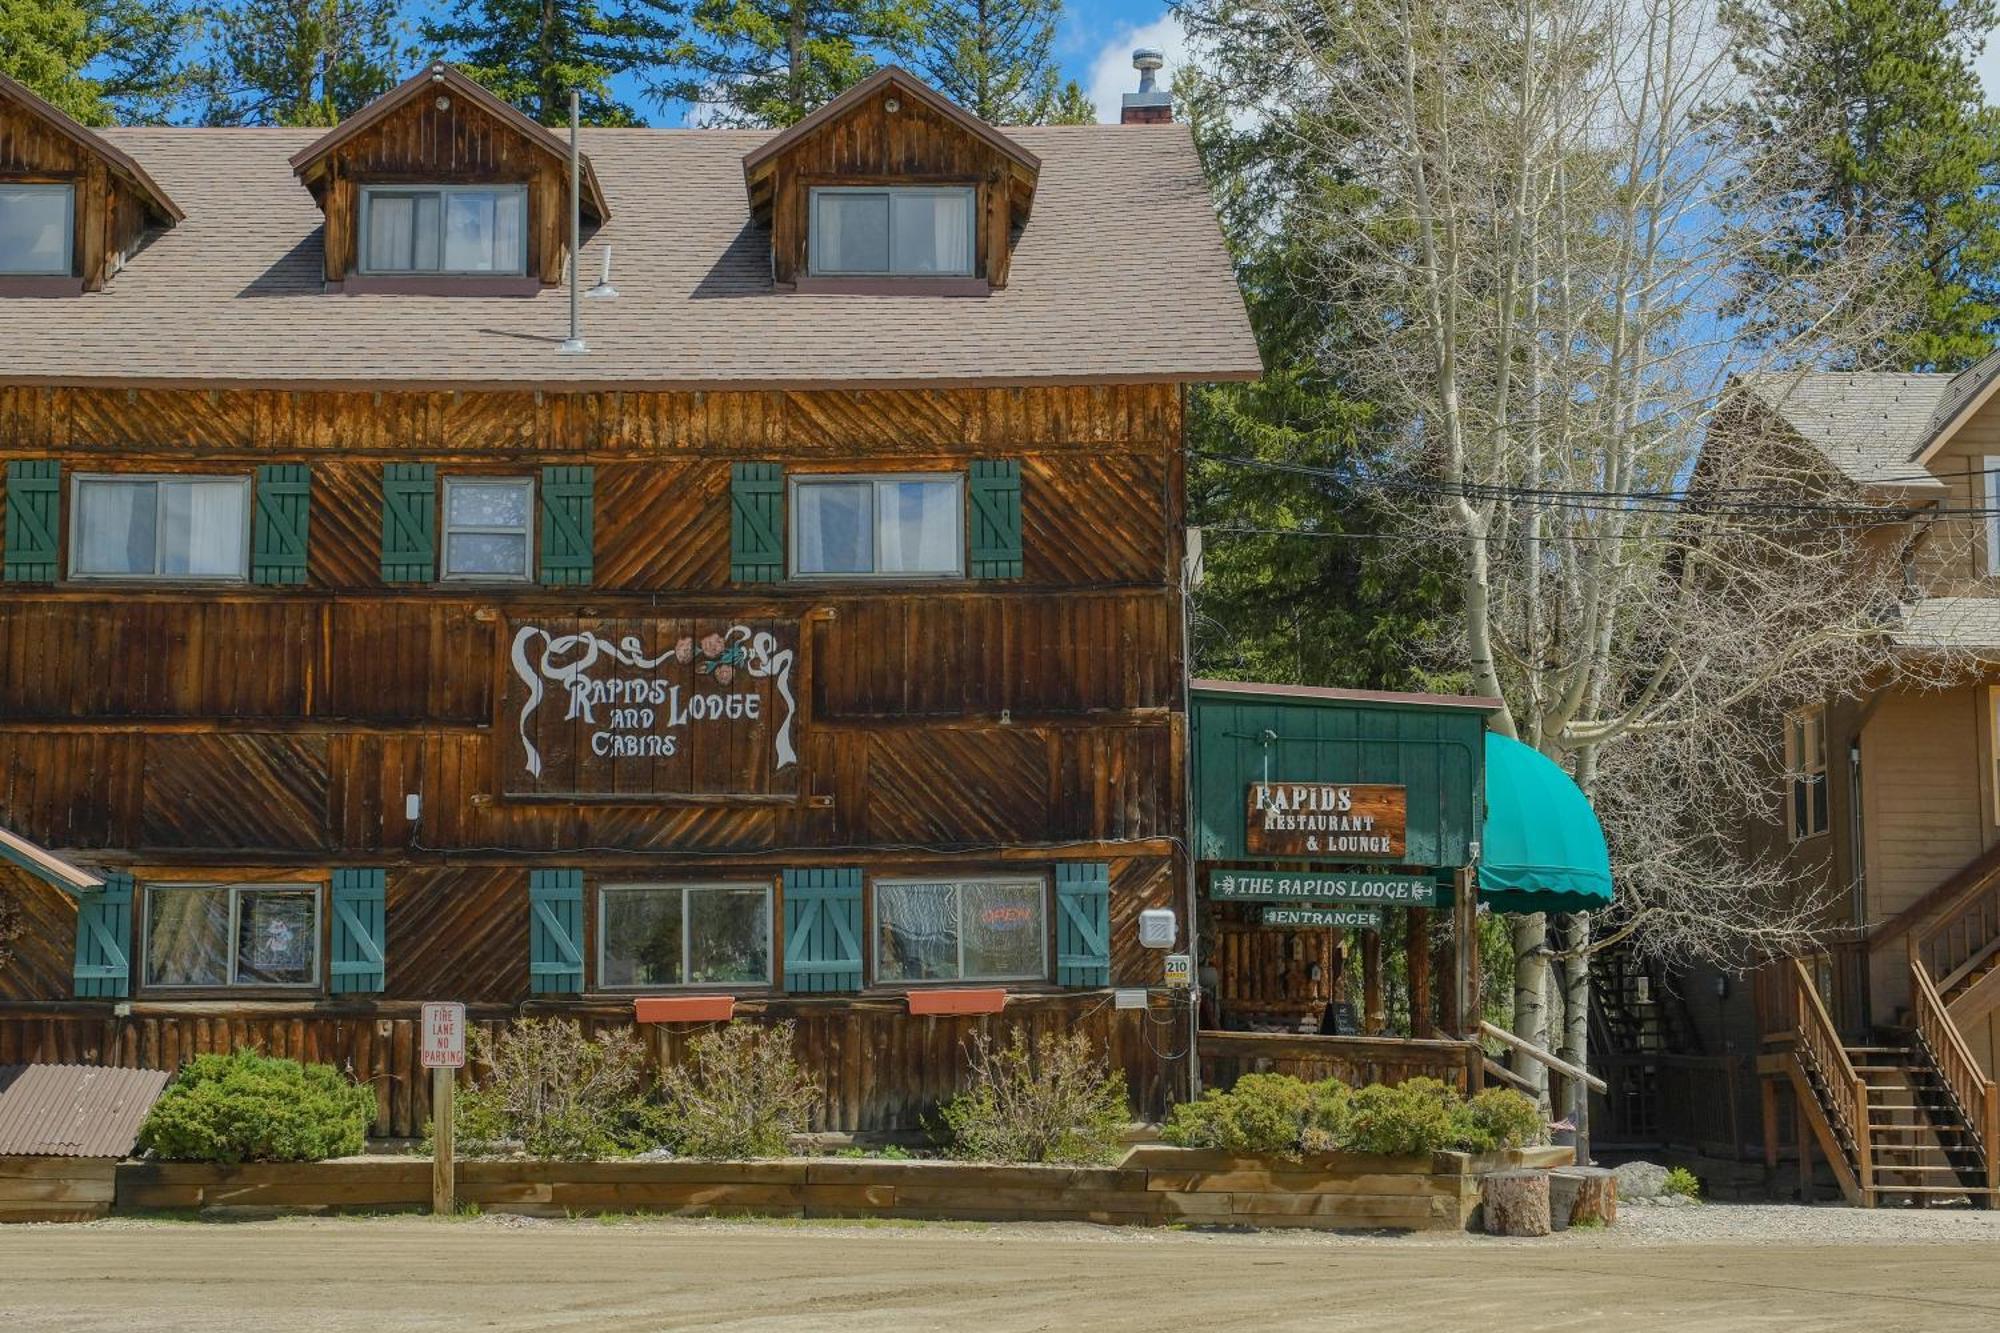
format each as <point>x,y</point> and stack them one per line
<point>1556,204</point>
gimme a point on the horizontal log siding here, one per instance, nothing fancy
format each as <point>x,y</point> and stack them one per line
<point>881,1068</point>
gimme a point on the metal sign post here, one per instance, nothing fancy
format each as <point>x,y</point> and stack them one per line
<point>443,1050</point>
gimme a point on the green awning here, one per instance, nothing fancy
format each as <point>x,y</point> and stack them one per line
<point>1540,847</point>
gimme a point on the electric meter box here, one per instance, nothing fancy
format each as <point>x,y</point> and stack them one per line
<point>1157,928</point>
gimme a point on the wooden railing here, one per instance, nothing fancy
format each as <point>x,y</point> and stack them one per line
<point>1954,925</point>
<point>1978,1099</point>
<point>1820,1052</point>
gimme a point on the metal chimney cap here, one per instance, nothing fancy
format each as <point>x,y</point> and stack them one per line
<point>1147,57</point>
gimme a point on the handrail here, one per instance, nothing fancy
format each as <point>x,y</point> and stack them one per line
<point>1534,1052</point>
<point>1499,1073</point>
<point>1943,903</point>
<point>1975,1093</point>
<point>1819,1046</point>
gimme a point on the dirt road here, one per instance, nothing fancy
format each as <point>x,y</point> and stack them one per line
<point>409,1273</point>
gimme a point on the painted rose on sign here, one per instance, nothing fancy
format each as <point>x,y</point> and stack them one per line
<point>652,710</point>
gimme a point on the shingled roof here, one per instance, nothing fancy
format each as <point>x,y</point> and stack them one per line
<point>1121,276</point>
<point>1868,425</point>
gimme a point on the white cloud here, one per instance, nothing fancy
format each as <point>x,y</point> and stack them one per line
<point>1111,72</point>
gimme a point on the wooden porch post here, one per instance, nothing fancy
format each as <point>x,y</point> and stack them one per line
<point>1376,1017</point>
<point>1417,949</point>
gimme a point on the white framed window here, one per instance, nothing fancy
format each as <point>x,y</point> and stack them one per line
<point>886,526</point>
<point>488,528</point>
<point>1805,770</point>
<point>138,527</point>
<point>449,229</point>
<point>901,231</point>
<point>961,930</point>
<point>683,935</point>
<point>225,935</point>
<point>37,229</point>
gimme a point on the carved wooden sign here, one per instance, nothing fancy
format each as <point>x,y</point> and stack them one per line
<point>653,709</point>
<point>1327,821</point>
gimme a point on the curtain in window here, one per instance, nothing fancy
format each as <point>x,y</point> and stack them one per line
<point>934,232</point>
<point>392,221</point>
<point>833,531</point>
<point>919,527</point>
<point>34,228</point>
<point>203,533</point>
<point>115,527</point>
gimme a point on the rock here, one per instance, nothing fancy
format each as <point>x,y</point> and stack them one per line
<point>1640,1180</point>
<point>1515,1203</point>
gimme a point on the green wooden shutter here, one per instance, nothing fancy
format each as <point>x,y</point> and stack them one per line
<point>104,939</point>
<point>756,523</point>
<point>995,488</point>
<point>409,522</point>
<point>1083,924</point>
<point>34,500</point>
<point>358,936</point>
<point>284,512</point>
<point>555,932</point>
<point>823,930</point>
<point>566,524</point>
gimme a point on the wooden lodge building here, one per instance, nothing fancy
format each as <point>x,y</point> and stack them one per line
<point>809,647</point>
<point>1886,1044</point>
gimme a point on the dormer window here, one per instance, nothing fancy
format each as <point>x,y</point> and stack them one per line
<point>444,229</point>
<point>37,223</point>
<point>899,232</point>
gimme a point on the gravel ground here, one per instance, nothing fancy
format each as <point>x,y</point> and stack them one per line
<point>1719,1268</point>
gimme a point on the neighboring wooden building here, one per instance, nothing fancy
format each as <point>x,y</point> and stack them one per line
<point>811,643</point>
<point>1892,815</point>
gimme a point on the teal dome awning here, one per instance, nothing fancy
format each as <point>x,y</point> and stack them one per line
<point>1540,848</point>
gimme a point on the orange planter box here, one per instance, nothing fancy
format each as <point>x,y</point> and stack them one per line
<point>987,1001</point>
<point>684,1008</point>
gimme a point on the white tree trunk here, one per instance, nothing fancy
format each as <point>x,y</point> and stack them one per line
<point>1531,1011</point>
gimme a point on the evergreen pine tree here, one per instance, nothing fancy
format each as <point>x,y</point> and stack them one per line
<point>1881,115</point>
<point>992,58</point>
<point>533,52</point>
<point>773,62</point>
<point>101,61</point>
<point>1072,106</point>
<point>302,62</point>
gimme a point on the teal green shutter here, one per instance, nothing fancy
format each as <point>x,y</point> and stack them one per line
<point>1083,924</point>
<point>284,512</point>
<point>104,939</point>
<point>995,488</point>
<point>566,524</point>
<point>823,930</point>
<point>756,523</point>
<point>409,522</point>
<point>34,499</point>
<point>358,935</point>
<point>555,932</point>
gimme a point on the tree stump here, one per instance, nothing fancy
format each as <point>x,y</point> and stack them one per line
<point>1587,1194</point>
<point>1516,1203</point>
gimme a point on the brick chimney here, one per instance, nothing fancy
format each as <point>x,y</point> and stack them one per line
<point>1151,105</point>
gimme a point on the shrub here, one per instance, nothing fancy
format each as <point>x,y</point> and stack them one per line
<point>552,1092</point>
<point>1416,1116</point>
<point>248,1107</point>
<point>741,1094</point>
<point>1682,1183</point>
<point>1281,1115</point>
<point>1060,1102</point>
<point>1264,1113</point>
<point>1500,1118</point>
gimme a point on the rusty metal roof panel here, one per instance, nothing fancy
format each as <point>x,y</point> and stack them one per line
<point>74,1110</point>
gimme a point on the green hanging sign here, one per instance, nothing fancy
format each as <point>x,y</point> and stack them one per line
<point>1283,886</point>
<point>1340,918</point>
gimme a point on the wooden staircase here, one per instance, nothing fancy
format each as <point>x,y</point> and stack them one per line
<point>1910,1118</point>
<point>1634,1019</point>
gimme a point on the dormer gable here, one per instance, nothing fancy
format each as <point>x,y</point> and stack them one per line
<point>73,208</point>
<point>891,187</point>
<point>438,185</point>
